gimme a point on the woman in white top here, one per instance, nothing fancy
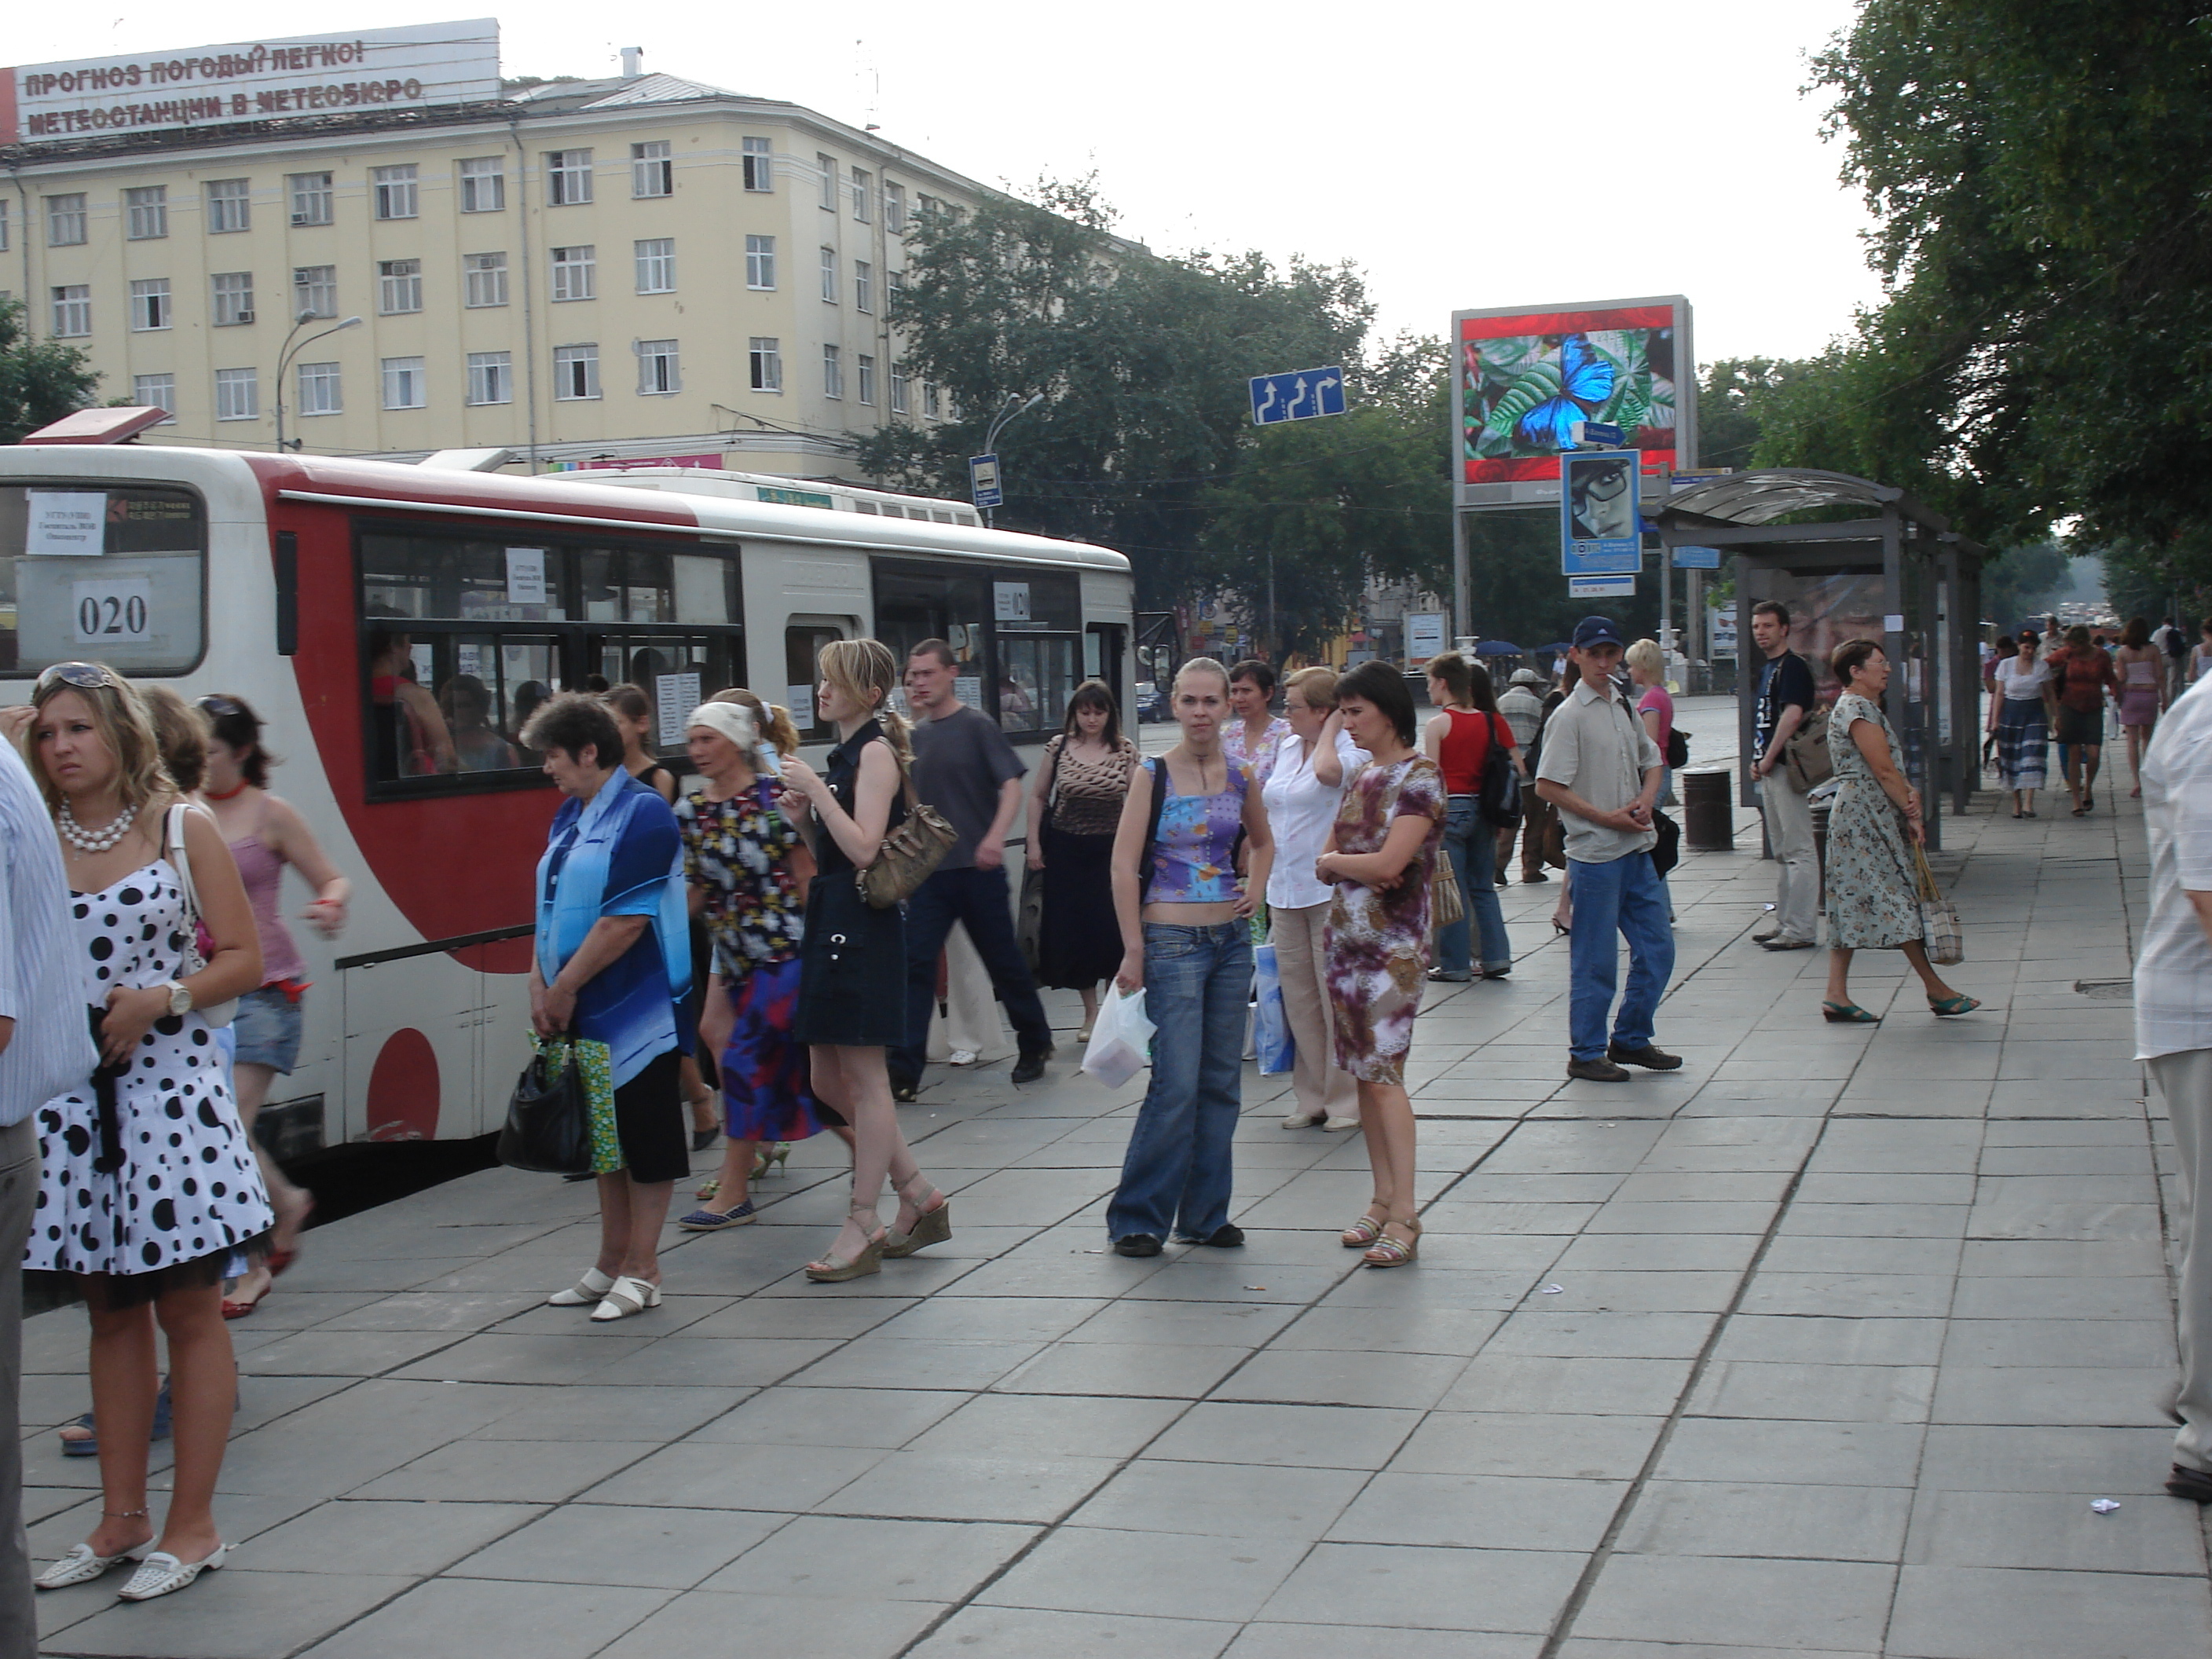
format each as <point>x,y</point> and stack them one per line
<point>2020,715</point>
<point>1305,787</point>
<point>2200,654</point>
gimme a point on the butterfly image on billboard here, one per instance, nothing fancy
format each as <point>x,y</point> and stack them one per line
<point>1526,379</point>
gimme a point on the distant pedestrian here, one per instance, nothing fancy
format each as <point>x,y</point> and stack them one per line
<point>1382,857</point>
<point>2200,654</point>
<point>1785,702</point>
<point>854,959</point>
<point>1654,707</point>
<point>2082,675</point>
<point>45,1050</point>
<point>2142,693</point>
<point>2020,715</point>
<point>1459,739</point>
<point>1075,806</point>
<point>1186,944</point>
<point>2177,650</point>
<point>611,968</point>
<point>2173,1037</point>
<point>964,767</point>
<point>1602,771</point>
<point>1302,794</point>
<point>1522,705</point>
<point>1874,896</point>
<point>1253,736</point>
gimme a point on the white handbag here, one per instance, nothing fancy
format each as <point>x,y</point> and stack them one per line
<point>180,861</point>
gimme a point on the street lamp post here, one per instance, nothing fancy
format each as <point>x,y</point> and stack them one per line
<point>285,353</point>
<point>1014,407</point>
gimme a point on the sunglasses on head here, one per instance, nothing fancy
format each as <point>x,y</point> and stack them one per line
<point>220,706</point>
<point>84,676</point>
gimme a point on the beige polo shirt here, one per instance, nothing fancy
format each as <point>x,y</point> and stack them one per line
<point>1595,745</point>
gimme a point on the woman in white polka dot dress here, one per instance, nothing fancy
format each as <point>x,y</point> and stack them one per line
<point>149,1183</point>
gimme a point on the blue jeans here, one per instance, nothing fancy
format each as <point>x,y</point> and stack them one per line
<point>1471,844</point>
<point>1624,896</point>
<point>1177,1168</point>
<point>982,901</point>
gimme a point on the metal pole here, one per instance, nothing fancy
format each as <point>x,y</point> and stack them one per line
<point>1462,613</point>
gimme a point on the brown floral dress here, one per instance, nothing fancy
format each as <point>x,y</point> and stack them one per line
<point>1377,942</point>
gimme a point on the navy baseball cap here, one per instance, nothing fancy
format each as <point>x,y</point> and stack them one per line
<point>1597,630</point>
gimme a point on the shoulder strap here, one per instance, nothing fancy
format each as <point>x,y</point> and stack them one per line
<point>1152,827</point>
<point>179,857</point>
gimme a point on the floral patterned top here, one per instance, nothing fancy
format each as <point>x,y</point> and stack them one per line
<point>1259,757</point>
<point>1195,858</point>
<point>739,853</point>
<point>1387,922</point>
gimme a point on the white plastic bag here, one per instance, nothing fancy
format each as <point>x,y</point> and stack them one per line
<point>1277,1052</point>
<point>1121,1040</point>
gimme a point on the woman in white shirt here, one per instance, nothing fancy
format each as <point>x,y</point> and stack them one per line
<point>1303,788</point>
<point>2020,715</point>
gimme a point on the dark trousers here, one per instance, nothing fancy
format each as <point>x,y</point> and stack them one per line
<point>981,901</point>
<point>18,1197</point>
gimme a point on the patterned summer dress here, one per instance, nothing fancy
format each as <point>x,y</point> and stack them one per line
<point>1377,942</point>
<point>1872,901</point>
<point>1259,757</point>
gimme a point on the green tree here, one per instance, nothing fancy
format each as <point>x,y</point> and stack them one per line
<point>2024,579</point>
<point>40,381</point>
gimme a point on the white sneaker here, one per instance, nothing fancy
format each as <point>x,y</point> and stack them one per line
<point>962,1057</point>
<point>1301,1120</point>
<point>1341,1123</point>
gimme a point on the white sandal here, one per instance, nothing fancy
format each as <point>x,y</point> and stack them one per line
<point>586,1293</point>
<point>163,1574</point>
<point>626,1297</point>
<point>81,1566</point>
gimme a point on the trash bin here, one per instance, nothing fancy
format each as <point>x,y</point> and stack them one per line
<point>1707,826</point>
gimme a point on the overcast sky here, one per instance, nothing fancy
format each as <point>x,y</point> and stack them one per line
<point>1470,156</point>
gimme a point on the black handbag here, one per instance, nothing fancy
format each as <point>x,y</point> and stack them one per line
<point>549,1119</point>
<point>1668,852</point>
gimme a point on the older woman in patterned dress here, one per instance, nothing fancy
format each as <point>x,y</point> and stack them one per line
<point>1874,902</point>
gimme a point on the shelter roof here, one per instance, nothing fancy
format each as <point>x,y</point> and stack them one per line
<point>1763,496</point>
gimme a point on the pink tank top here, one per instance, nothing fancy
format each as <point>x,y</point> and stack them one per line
<point>262,873</point>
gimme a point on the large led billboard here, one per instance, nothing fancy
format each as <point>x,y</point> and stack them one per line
<point>1524,377</point>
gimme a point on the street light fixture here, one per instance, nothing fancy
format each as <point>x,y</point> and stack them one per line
<point>1015,407</point>
<point>286,352</point>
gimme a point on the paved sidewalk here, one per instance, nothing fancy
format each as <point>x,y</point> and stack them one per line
<point>1822,1345</point>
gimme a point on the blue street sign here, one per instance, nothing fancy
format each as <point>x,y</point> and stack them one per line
<point>1599,434</point>
<point>1696,558</point>
<point>1600,531</point>
<point>983,481</point>
<point>1300,395</point>
<point>1600,587</point>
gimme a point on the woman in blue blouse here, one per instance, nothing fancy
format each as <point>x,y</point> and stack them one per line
<point>613,965</point>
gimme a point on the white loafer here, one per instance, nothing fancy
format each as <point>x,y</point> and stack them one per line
<point>1339,1125</point>
<point>164,1575</point>
<point>1301,1120</point>
<point>81,1566</point>
<point>626,1297</point>
<point>584,1293</point>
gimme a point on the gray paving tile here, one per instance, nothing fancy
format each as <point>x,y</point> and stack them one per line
<point>590,1411</point>
<point>1263,1640</point>
<point>1246,1500</point>
<point>709,1474</point>
<point>248,1615</point>
<point>1528,1443</point>
<point>1812,1341</point>
<point>1244,1324</point>
<point>1749,1518</point>
<point>2071,1298</point>
<point>2052,1530</point>
<point>507,1471</point>
<point>1928,1221</point>
<point>1515,1383</point>
<point>842,1557</point>
<point>1404,1586</point>
<point>1175,1371</point>
<point>923,1486</point>
<point>882,1417</point>
<point>1322,1377</point>
<point>987,1633</point>
<point>1298,1436</point>
<point>396,1538</point>
<point>777,1627</point>
<point>1850,1295</point>
<point>2113,1342</point>
<point>1869,1393</point>
<point>1037,1425</point>
<point>1737,1449</point>
<point>1394,1330</point>
<point>1484,1511</point>
<point>875,1361</point>
<point>1595,1335</point>
<point>1991,1613</point>
<point>1164,1575</point>
<point>2110,1396</point>
<point>655,1548</point>
<point>1764,1604</point>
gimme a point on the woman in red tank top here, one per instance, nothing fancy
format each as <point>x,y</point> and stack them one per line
<point>1458,739</point>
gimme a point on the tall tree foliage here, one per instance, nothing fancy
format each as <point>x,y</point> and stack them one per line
<point>39,382</point>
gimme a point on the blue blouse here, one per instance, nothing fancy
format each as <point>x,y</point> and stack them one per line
<point>619,854</point>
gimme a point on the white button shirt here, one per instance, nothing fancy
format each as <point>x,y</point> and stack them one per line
<point>1301,811</point>
<point>2173,973</point>
<point>50,1051</point>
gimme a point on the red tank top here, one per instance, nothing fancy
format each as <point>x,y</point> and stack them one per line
<point>1466,747</point>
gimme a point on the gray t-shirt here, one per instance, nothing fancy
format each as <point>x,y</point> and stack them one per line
<point>1596,745</point>
<point>961,764</point>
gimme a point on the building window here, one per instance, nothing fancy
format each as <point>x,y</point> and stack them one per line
<point>760,262</point>
<point>483,185</point>
<point>150,305</point>
<point>898,390</point>
<point>833,372</point>
<point>233,297</point>
<point>862,184</point>
<point>767,360</point>
<point>656,368</point>
<point>398,286</point>
<point>310,197</point>
<point>491,377</point>
<point>827,165</point>
<point>318,389</point>
<point>65,220</point>
<point>926,205</point>
<point>867,365</point>
<point>568,177</point>
<point>759,164</point>
<point>575,272</point>
<point>149,212</point>
<point>894,208</point>
<point>484,278</point>
<point>229,205</point>
<point>829,275</point>
<point>656,265</point>
<point>864,285</point>
<point>929,399</point>
<point>575,372</point>
<point>156,392</point>
<point>237,395</point>
<point>652,170</point>
<point>396,192</point>
<point>72,310</point>
<point>403,383</point>
<point>4,225</point>
<point>315,291</point>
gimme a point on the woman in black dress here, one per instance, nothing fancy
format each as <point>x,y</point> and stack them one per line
<point>852,987</point>
<point>1075,806</point>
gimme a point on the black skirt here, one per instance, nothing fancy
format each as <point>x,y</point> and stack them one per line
<point>1079,941</point>
<point>852,984</point>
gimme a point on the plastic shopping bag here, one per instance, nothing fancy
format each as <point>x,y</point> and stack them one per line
<point>1277,1052</point>
<point>1120,1040</point>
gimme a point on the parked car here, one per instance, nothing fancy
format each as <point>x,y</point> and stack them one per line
<point>1151,705</point>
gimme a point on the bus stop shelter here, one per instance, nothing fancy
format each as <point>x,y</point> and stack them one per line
<point>1856,560</point>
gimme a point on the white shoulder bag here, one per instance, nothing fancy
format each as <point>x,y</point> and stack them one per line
<point>180,861</point>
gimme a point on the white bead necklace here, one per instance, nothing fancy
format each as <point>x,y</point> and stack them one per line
<point>94,841</point>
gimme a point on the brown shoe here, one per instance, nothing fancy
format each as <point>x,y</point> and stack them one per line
<point>1650,1059</point>
<point>1596,1071</point>
<point>2185,1482</point>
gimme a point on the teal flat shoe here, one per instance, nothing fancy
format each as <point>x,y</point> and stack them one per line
<point>1847,1013</point>
<point>1957,1004</point>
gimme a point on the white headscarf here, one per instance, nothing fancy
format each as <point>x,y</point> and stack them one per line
<point>732,719</point>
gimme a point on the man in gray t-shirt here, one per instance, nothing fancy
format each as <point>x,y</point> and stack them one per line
<point>964,766</point>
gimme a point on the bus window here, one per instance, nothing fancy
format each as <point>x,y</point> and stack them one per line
<point>116,573</point>
<point>802,654</point>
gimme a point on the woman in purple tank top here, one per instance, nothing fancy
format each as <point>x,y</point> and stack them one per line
<point>265,833</point>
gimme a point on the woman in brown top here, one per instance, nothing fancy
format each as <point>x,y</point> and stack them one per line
<point>1075,804</point>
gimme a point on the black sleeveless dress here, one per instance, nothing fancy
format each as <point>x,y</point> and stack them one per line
<point>852,984</point>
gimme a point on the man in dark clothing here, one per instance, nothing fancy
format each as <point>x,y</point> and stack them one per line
<point>964,766</point>
<point>1785,702</point>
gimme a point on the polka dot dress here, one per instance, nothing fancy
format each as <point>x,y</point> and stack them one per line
<point>187,1187</point>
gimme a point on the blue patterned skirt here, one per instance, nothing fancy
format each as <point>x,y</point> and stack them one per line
<point>2023,742</point>
<point>766,1089</point>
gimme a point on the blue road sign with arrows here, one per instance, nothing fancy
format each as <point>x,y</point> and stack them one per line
<point>1300,395</point>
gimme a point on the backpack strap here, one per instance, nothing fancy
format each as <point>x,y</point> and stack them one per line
<point>1159,770</point>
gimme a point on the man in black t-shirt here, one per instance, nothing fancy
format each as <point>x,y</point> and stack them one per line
<point>1785,702</point>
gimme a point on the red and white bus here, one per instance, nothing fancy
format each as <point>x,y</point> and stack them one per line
<point>309,586</point>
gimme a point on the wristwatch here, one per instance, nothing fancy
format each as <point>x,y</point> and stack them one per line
<point>180,999</point>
